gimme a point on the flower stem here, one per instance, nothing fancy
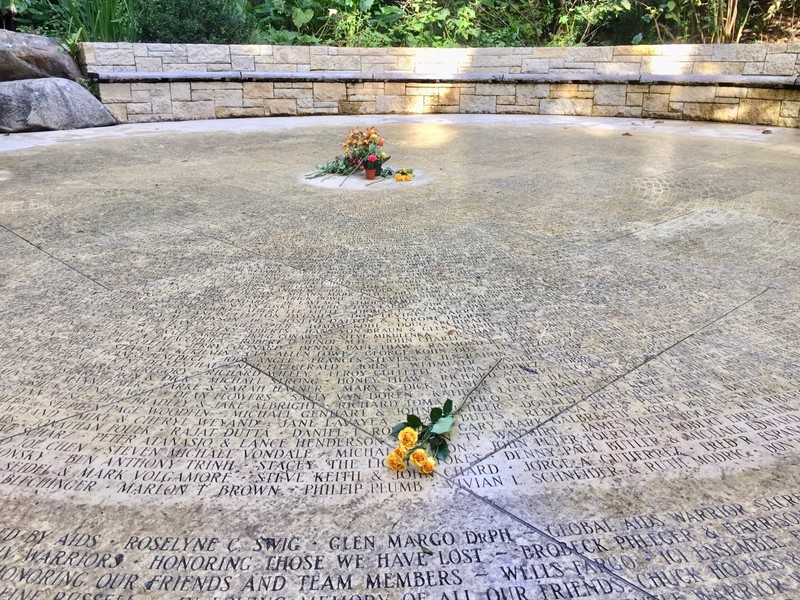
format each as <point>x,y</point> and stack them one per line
<point>351,172</point>
<point>476,386</point>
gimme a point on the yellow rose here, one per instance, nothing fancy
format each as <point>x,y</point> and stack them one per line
<point>427,467</point>
<point>400,452</point>
<point>408,437</point>
<point>395,463</point>
<point>418,457</point>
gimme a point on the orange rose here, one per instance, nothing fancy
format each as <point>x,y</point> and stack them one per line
<point>427,467</point>
<point>395,463</point>
<point>408,437</point>
<point>418,458</point>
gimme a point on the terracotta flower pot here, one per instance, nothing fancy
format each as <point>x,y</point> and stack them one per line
<point>369,173</point>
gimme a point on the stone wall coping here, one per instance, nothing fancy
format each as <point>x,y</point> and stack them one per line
<point>753,81</point>
<point>757,81</point>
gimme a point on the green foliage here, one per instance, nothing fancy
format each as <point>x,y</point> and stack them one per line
<point>75,21</point>
<point>99,20</point>
<point>34,16</point>
<point>290,21</point>
<point>527,22</point>
<point>685,21</point>
<point>15,7</point>
<point>195,22</point>
<point>432,437</point>
<point>338,166</point>
<point>90,85</point>
<point>437,23</point>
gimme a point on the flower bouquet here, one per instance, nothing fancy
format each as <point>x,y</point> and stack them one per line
<point>423,444</point>
<point>362,150</point>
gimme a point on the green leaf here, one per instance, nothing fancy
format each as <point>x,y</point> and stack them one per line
<point>398,428</point>
<point>413,421</point>
<point>637,39</point>
<point>426,550</point>
<point>626,4</point>
<point>300,17</point>
<point>436,414</point>
<point>390,14</point>
<point>448,408</point>
<point>671,6</point>
<point>442,453</point>
<point>366,5</point>
<point>443,425</point>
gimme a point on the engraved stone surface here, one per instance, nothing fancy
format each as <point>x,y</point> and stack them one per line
<point>203,357</point>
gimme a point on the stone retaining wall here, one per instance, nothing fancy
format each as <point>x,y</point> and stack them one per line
<point>728,101</point>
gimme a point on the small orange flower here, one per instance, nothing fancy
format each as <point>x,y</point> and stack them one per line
<point>428,466</point>
<point>408,437</point>
<point>395,463</point>
<point>418,458</point>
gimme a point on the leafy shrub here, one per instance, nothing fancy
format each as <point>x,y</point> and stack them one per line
<point>75,21</point>
<point>410,22</point>
<point>194,22</point>
<point>99,20</point>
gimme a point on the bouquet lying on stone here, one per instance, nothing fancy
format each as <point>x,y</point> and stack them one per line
<point>422,445</point>
<point>417,439</point>
<point>362,150</point>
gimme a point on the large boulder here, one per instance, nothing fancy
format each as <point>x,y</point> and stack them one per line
<point>25,56</point>
<point>47,104</point>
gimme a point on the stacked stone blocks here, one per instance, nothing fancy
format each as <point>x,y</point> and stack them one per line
<point>386,91</point>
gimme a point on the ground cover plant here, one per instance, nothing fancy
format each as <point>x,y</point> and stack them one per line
<point>437,23</point>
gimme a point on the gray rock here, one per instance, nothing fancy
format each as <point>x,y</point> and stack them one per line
<point>25,56</point>
<point>48,104</point>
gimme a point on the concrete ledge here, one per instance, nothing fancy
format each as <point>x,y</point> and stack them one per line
<point>749,81</point>
<point>147,96</point>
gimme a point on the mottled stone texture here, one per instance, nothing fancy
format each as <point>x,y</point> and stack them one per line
<point>761,59</point>
<point>232,99</point>
<point>202,357</point>
<point>24,56</point>
<point>49,104</point>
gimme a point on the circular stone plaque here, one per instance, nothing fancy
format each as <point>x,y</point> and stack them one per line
<point>203,357</point>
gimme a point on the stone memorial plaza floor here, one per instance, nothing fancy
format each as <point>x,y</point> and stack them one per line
<point>203,356</point>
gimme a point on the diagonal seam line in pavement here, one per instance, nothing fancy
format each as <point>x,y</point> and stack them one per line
<point>569,549</point>
<point>66,264</point>
<point>178,378</point>
<point>644,362</point>
<point>454,483</point>
<point>647,359</point>
<point>346,419</point>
